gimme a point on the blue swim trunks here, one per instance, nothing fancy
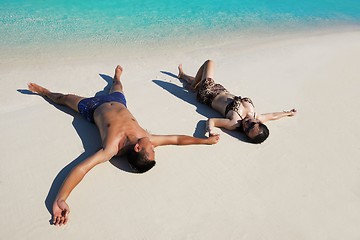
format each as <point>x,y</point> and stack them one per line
<point>88,106</point>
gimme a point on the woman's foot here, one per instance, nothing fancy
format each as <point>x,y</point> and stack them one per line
<point>118,72</point>
<point>38,89</point>
<point>186,78</point>
<point>181,72</point>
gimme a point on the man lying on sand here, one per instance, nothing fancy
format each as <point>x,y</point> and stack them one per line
<point>239,112</point>
<point>120,133</point>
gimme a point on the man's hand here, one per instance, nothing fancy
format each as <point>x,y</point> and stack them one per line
<point>213,138</point>
<point>60,212</point>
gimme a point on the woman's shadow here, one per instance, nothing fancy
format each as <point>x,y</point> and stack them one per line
<point>91,141</point>
<point>190,97</point>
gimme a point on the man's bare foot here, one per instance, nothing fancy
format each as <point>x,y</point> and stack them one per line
<point>181,72</point>
<point>118,72</point>
<point>38,89</point>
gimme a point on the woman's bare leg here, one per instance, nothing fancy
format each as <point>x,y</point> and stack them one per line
<point>205,71</point>
<point>189,79</point>
<point>69,100</point>
<point>117,86</point>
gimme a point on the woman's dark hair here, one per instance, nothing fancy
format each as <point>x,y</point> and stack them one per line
<point>139,160</point>
<point>263,134</point>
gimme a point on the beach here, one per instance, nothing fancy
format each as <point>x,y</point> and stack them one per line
<point>301,183</point>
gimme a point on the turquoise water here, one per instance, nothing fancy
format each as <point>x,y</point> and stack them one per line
<point>24,23</point>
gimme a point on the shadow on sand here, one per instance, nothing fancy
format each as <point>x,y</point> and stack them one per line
<point>91,141</point>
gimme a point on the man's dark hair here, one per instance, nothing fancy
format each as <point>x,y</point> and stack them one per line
<point>139,160</point>
<point>263,134</point>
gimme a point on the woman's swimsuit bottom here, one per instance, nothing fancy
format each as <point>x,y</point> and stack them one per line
<point>87,106</point>
<point>208,90</point>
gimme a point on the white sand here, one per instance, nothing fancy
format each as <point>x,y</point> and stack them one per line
<point>302,183</point>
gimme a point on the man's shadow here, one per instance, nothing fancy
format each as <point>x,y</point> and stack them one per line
<point>190,97</point>
<point>90,139</point>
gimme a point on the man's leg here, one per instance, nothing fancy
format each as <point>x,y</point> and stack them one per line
<point>117,86</point>
<point>69,100</point>
<point>205,71</point>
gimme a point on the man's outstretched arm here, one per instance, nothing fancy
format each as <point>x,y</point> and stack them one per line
<point>161,140</point>
<point>60,208</point>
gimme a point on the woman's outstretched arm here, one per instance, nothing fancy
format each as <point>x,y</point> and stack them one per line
<point>276,115</point>
<point>221,123</point>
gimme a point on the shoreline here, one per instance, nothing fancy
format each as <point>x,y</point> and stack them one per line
<point>83,51</point>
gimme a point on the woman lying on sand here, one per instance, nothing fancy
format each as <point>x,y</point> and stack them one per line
<point>239,112</point>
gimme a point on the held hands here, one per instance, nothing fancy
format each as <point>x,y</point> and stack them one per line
<point>60,212</point>
<point>209,129</point>
<point>213,138</point>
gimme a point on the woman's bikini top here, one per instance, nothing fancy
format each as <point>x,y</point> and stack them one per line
<point>236,103</point>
